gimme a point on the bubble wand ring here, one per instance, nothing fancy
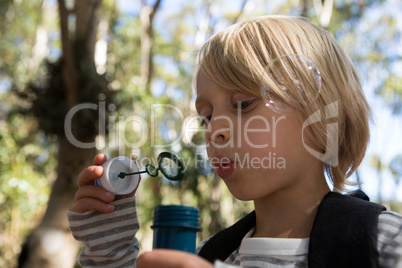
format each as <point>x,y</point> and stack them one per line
<point>169,164</point>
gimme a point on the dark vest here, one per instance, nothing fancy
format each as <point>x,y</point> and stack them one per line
<point>344,234</point>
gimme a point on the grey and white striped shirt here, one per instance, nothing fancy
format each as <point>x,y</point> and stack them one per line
<point>109,241</point>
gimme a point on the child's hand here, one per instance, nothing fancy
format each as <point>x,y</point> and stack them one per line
<point>90,196</point>
<point>170,259</point>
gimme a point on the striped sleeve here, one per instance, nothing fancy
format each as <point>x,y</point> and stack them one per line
<point>390,239</point>
<point>109,238</point>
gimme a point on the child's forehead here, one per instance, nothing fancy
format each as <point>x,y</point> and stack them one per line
<point>204,85</point>
<point>209,92</point>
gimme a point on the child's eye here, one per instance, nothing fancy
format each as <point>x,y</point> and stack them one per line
<point>241,105</point>
<point>204,120</point>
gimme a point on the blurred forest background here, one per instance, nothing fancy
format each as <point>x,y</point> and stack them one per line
<point>134,61</point>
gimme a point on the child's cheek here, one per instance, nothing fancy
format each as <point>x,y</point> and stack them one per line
<point>258,134</point>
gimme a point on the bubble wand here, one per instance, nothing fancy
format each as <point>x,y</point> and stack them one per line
<point>169,164</point>
<point>121,175</point>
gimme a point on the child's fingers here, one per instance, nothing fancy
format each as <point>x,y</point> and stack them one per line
<point>94,191</point>
<point>100,159</point>
<point>87,204</point>
<point>88,175</point>
<point>91,173</point>
<point>92,197</point>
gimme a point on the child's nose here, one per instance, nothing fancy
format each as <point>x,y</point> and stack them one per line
<point>218,139</point>
<point>220,131</point>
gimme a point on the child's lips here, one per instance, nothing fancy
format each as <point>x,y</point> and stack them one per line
<point>223,166</point>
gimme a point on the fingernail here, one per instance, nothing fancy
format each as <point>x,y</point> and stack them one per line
<point>110,207</point>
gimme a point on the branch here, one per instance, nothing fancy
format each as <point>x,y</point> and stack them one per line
<point>241,11</point>
<point>324,12</point>
<point>154,10</point>
<point>68,66</point>
<point>304,9</point>
<point>202,30</point>
<point>327,14</point>
<point>147,15</point>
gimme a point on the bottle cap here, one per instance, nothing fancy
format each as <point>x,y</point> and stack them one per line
<point>175,215</point>
<point>176,227</point>
<point>110,179</point>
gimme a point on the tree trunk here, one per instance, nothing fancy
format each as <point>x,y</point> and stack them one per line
<point>147,15</point>
<point>51,244</point>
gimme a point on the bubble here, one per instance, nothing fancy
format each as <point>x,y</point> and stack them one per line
<point>290,79</point>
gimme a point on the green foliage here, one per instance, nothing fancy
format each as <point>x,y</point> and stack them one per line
<point>47,100</point>
<point>19,22</point>
<point>392,85</point>
<point>27,163</point>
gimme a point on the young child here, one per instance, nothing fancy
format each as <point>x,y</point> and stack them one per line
<point>274,87</point>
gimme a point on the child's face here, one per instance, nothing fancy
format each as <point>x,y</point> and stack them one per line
<point>255,150</point>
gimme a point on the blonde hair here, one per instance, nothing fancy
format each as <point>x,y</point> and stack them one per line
<point>237,59</point>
